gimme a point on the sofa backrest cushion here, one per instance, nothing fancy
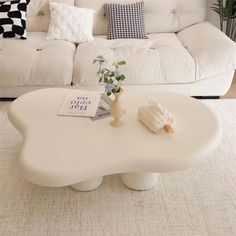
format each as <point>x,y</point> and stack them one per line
<point>160,15</point>
<point>38,14</point>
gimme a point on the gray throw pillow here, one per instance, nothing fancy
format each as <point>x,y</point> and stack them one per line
<point>125,20</point>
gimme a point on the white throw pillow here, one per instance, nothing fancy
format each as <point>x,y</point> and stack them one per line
<point>70,23</point>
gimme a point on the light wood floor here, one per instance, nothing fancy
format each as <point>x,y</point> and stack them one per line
<point>232,91</point>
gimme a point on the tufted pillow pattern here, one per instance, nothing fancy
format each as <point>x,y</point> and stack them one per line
<point>70,23</point>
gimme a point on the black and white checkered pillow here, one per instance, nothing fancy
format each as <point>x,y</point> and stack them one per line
<point>125,20</point>
<point>13,19</point>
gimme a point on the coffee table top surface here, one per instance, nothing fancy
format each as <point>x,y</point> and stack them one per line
<point>62,150</point>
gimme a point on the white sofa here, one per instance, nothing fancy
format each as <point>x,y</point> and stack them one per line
<point>184,53</point>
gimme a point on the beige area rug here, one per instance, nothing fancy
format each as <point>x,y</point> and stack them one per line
<point>200,201</point>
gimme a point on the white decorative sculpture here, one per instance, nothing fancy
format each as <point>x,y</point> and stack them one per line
<point>117,111</point>
<point>156,118</point>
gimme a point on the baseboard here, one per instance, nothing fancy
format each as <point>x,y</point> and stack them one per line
<point>7,99</point>
<point>206,97</point>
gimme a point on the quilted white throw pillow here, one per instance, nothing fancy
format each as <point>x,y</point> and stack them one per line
<point>70,23</point>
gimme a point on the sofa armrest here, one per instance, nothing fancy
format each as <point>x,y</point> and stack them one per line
<point>214,53</point>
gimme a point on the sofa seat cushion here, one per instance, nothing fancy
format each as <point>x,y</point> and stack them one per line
<point>213,52</point>
<point>159,59</point>
<point>36,61</point>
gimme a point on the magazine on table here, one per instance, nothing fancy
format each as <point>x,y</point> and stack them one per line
<point>80,104</point>
<point>103,109</point>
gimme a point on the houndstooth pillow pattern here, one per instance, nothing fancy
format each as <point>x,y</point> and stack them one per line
<point>13,19</point>
<point>125,20</point>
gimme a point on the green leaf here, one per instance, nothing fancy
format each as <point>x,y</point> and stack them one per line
<point>215,9</point>
<point>120,63</point>
<point>118,90</point>
<point>111,81</point>
<point>115,65</point>
<point>100,58</point>
<point>120,78</point>
<point>106,80</point>
<point>106,71</point>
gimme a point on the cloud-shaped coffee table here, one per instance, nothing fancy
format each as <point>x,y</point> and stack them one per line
<point>60,151</point>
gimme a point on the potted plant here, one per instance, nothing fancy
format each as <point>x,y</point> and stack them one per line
<point>113,85</point>
<point>227,13</point>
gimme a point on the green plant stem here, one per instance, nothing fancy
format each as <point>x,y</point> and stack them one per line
<point>221,23</point>
<point>231,27</point>
<point>228,22</point>
<point>220,4</point>
<point>233,30</point>
<point>225,10</point>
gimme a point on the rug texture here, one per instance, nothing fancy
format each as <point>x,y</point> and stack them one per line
<point>198,202</point>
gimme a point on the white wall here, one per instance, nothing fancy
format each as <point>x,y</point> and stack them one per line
<point>212,16</point>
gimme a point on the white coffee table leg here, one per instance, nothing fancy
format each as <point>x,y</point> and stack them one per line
<point>140,181</point>
<point>88,185</point>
